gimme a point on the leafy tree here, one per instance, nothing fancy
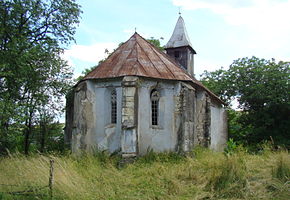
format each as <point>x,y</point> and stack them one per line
<point>156,42</point>
<point>49,137</point>
<point>86,71</point>
<point>33,76</point>
<point>261,88</point>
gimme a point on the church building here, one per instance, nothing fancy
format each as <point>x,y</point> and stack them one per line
<point>141,99</point>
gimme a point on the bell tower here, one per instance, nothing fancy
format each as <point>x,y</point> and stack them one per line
<point>180,48</point>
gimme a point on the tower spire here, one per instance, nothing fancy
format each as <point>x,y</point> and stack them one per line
<point>179,36</point>
<point>179,46</point>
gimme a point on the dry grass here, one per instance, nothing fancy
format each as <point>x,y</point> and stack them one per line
<point>202,175</point>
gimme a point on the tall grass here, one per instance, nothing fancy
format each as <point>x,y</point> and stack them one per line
<point>281,170</point>
<point>228,177</point>
<point>203,174</point>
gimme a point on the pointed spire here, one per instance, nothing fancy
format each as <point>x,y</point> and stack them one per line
<point>179,37</point>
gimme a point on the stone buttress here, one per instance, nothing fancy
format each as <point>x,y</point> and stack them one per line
<point>129,116</point>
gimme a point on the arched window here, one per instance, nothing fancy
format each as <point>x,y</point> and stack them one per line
<point>154,106</point>
<point>114,106</point>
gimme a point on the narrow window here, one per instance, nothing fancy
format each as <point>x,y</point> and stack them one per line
<point>114,106</point>
<point>176,54</point>
<point>154,106</point>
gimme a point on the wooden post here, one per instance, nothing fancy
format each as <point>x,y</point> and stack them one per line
<point>50,177</point>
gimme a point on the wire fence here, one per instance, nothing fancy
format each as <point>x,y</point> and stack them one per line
<point>33,190</point>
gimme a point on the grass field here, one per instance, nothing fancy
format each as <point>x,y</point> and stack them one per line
<point>201,175</point>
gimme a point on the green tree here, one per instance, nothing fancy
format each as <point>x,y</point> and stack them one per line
<point>261,88</point>
<point>156,42</point>
<point>33,76</point>
<point>86,71</point>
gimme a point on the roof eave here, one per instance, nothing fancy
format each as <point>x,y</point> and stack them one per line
<point>176,47</point>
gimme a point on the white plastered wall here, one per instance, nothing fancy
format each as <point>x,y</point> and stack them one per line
<point>218,128</point>
<point>92,116</point>
<point>162,137</point>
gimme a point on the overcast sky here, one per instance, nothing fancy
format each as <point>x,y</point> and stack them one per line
<point>220,30</point>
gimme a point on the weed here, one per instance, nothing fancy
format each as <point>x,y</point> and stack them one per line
<point>281,170</point>
<point>231,147</point>
<point>204,175</point>
<point>167,157</point>
<point>228,173</point>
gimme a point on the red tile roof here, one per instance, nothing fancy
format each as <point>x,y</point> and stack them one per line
<point>138,57</point>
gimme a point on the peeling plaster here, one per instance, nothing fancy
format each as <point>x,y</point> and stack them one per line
<point>187,117</point>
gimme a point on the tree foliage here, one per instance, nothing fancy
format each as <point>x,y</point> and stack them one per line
<point>33,76</point>
<point>156,42</point>
<point>261,88</point>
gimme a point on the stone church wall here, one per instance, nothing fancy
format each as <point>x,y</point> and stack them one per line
<point>129,137</point>
<point>211,123</point>
<point>219,126</point>
<point>187,117</point>
<point>187,101</point>
<point>202,135</point>
<point>83,117</point>
<point>69,117</point>
<point>107,134</point>
<point>92,128</point>
<point>162,137</point>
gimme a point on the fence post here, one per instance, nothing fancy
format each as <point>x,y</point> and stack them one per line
<point>50,177</point>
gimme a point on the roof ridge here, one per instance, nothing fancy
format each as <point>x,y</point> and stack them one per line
<point>170,59</point>
<point>107,57</point>
<point>148,57</point>
<point>154,50</point>
<point>166,55</point>
<point>126,58</point>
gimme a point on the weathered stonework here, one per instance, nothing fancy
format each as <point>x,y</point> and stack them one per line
<point>187,117</point>
<point>207,123</point>
<point>186,135</point>
<point>69,113</point>
<point>129,116</point>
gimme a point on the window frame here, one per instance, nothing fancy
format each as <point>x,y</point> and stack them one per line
<point>155,108</point>
<point>113,106</point>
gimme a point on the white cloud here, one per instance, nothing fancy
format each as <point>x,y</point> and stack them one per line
<point>254,13</point>
<point>257,27</point>
<point>90,53</point>
<point>80,57</point>
<point>257,13</point>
